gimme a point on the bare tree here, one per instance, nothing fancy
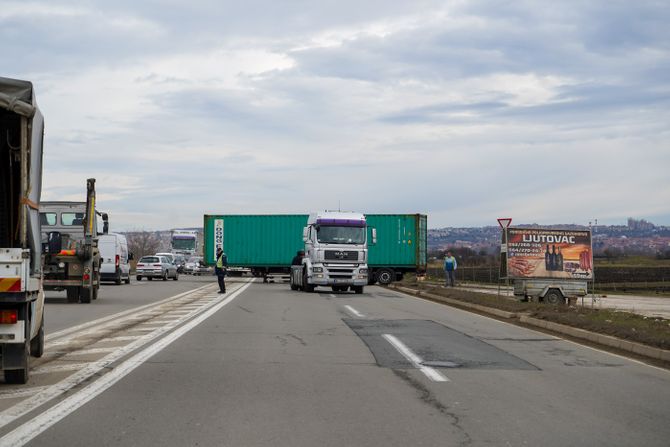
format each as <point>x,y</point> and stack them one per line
<point>142,243</point>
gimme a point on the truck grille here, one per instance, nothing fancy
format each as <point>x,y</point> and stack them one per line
<point>335,272</point>
<point>344,255</point>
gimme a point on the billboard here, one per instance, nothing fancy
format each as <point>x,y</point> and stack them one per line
<point>542,253</point>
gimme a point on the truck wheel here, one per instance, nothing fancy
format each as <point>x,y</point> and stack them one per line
<point>19,376</point>
<point>85,295</point>
<point>385,276</point>
<point>358,290</point>
<point>37,343</point>
<point>554,297</point>
<point>72,294</point>
<point>309,288</point>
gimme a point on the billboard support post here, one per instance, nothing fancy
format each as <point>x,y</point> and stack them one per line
<point>504,223</point>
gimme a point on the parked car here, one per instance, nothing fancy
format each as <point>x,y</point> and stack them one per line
<point>156,267</point>
<point>114,257</point>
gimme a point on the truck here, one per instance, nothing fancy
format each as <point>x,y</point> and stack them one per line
<point>76,267</point>
<point>21,293</point>
<point>547,265</point>
<point>336,253</point>
<point>266,244</point>
<point>184,242</point>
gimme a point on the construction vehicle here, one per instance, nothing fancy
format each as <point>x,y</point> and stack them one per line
<point>76,267</point>
<point>21,294</point>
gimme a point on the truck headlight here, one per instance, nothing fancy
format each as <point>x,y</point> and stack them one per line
<point>317,269</point>
<point>362,271</point>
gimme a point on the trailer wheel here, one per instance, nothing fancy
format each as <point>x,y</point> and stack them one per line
<point>85,295</point>
<point>72,294</point>
<point>19,376</point>
<point>554,297</point>
<point>37,343</point>
<point>385,276</point>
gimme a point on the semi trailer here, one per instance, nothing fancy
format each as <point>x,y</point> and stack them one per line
<point>21,293</point>
<point>266,244</point>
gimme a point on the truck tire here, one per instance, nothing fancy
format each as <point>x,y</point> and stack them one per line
<point>72,294</point>
<point>385,276</point>
<point>309,288</point>
<point>358,289</point>
<point>554,297</point>
<point>19,376</point>
<point>85,295</point>
<point>37,343</point>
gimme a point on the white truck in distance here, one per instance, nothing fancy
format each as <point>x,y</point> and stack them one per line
<point>184,242</point>
<point>336,253</point>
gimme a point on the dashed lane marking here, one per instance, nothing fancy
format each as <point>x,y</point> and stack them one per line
<point>415,360</point>
<point>354,312</point>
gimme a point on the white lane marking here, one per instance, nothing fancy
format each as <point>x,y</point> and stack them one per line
<point>417,361</point>
<point>32,403</point>
<point>26,432</point>
<point>61,368</point>
<point>123,338</point>
<point>79,327</point>
<point>354,312</point>
<point>21,392</point>
<point>93,351</point>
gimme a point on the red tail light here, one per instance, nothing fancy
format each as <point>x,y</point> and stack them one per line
<point>140,265</point>
<point>87,276</point>
<point>9,316</point>
<point>117,260</point>
<point>157,265</point>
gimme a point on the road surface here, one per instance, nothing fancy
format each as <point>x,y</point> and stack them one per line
<point>265,366</point>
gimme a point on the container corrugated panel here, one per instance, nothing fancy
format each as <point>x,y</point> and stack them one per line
<point>401,240</point>
<point>255,240</point>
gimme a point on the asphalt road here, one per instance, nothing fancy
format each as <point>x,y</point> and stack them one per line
<point>113,299</point>
<point>280,368</point>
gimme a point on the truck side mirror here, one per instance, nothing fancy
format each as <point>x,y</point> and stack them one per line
<point>105,223</point>
<point>374,236</point>
<point>54,242</point>
<point>305,232</point>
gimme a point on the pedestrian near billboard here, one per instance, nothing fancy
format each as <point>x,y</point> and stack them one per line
<point>450,266</point>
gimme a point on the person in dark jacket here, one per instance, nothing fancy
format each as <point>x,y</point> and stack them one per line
<point>220,269</point>
<point>297,259</point>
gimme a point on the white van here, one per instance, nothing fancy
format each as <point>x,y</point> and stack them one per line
<point>114,258</point>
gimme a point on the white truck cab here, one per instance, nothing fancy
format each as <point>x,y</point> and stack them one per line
<point>336,253</point>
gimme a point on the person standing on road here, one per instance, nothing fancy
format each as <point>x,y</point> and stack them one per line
<point>297,259</point>
<point>220,269</point>
<point>450,265</point>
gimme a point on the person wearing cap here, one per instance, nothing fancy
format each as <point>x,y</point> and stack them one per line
<point>220,269</point>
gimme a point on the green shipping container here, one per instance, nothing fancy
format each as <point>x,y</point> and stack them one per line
<point>254,240</point>
<point>269,242</point>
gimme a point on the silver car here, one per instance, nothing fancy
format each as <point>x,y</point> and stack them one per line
<point>156,267</point>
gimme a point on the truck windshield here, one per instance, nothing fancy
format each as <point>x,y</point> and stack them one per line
<point>341,235</point>
<point>183,244</point>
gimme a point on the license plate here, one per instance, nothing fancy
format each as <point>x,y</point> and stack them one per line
<point>339,281</point>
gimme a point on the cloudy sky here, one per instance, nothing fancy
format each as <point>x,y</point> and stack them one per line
<point>548,112</point>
